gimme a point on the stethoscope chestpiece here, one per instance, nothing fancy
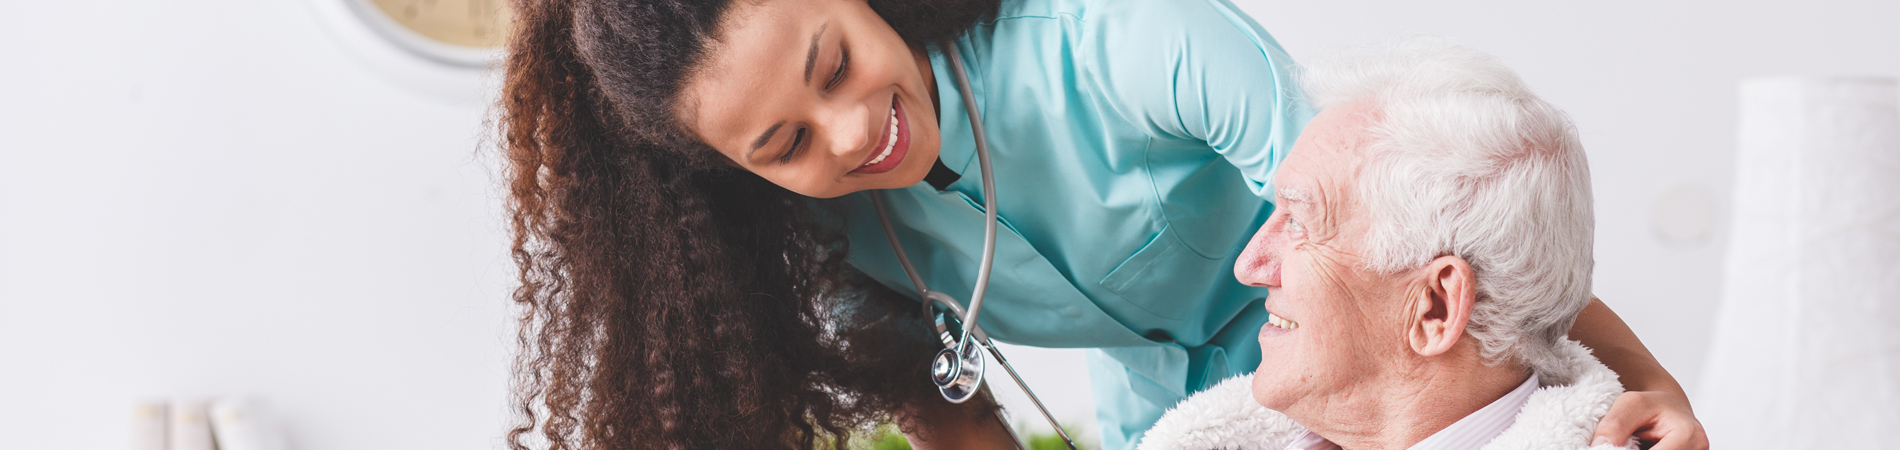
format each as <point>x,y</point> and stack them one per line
<point>958,374</point>
<point>957,369</point>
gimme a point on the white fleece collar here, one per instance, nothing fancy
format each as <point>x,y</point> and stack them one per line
<point>1560,416</point>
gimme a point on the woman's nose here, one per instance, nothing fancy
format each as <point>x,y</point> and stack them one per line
<point>848,128</point>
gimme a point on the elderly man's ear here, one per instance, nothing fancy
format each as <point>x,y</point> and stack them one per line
<point>1440,308</point>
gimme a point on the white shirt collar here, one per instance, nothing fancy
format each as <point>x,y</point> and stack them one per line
<point>1481,427</point>
<point>1471,432</point>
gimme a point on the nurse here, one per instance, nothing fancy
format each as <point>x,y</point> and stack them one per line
<point>701,266</point>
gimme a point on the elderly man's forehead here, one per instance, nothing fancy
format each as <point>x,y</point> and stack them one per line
<point>1327,153</point>
<point>1348,125</point>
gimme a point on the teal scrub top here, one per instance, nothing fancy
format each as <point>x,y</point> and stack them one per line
<point>1133,144</point>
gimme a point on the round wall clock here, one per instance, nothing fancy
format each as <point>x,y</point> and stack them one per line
<point>459,32</point>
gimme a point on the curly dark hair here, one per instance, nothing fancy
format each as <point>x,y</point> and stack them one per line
<point>670,300</point>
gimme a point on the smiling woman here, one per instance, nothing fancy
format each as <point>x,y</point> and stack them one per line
<point>783,98</point>
<point>703,326</point>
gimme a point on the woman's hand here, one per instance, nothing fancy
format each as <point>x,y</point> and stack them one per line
<point>1655,408</point>
<point>1657,416</point>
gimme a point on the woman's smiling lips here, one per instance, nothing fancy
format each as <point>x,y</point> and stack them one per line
<point>890,150</point>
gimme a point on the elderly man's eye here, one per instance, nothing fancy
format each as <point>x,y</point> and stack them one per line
<point>1293,225</point>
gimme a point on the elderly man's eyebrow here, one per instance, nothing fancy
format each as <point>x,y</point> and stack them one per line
<point>811,55</point>
<point>1294,195</point>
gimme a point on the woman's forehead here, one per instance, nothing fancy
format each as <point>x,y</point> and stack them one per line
<point>759,57</point>
<point>769,36</point>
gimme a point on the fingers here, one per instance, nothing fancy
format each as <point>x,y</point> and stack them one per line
<point>1676,432</point>
<point>1654,417</point>
<point>1631,411</point>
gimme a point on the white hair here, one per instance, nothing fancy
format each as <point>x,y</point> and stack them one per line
<point>1462,159</point>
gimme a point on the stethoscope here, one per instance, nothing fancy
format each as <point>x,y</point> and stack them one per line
<point>957,369</point>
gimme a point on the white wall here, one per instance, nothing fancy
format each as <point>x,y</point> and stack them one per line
<point>212,197</point>
<point>222,196</point>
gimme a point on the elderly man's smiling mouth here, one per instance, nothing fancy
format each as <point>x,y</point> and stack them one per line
<point>1281,322</point>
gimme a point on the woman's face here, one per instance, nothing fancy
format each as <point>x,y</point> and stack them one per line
<point>819,96</point>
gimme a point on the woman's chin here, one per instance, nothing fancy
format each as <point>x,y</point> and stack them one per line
<point>896,179</point>
<point>908,173</point>
<point>916,165</point>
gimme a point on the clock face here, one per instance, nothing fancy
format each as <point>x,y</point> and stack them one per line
<point>480,24</point>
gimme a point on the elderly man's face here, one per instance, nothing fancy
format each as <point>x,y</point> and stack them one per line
<point>1334,320</point>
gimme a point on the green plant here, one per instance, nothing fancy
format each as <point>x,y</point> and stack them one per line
<point>887,437</point>
<point>1047,441</point>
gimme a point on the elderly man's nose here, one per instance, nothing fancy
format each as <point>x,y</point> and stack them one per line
<point>1259,264</point>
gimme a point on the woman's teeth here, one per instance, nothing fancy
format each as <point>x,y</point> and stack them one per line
<point>1281,321</point>
<point>890,141</point>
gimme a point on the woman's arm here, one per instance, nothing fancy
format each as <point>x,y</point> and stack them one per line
<point>1655,408</point>
<point>1198,70</point>
<point>974,424</point>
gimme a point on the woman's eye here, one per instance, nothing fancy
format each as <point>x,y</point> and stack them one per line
<point>798,139</point>
<point>844,63</point>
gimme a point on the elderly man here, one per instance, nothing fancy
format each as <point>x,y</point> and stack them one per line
<point>1431,248</point>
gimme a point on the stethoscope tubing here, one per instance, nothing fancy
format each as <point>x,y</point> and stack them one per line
<point>971,333</point>
<point>989,189</point>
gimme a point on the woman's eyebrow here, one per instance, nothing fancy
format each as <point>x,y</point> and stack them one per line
<point>811,59</point>
<point>763,138</point>
<point>811,55</point>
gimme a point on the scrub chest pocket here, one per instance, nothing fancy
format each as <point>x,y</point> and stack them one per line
<point>1165,257</point>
